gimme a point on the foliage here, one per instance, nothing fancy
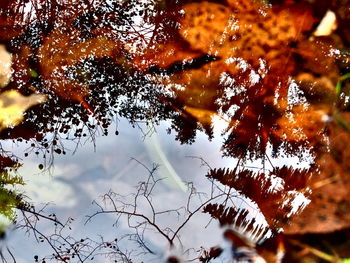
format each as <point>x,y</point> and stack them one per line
<point>183,61</point>
<point>339,83</point>
<point>273,192</point>
<point>9,199</point>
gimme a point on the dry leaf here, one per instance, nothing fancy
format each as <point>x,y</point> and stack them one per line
<point>327,25</point>
<point>13,105</point>
<point>5,66</point>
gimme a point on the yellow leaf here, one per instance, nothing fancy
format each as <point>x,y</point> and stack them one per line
<point>202,115</point>
<point>327,25</point>
<point>13,105</point>
<point>5,66</point>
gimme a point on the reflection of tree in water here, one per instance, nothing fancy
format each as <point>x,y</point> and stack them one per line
<point>189,63</point>
<point>274,200</point>
<point>9,198</point>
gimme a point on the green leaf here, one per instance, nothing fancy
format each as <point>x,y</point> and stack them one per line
<point>341,121</point>
<point>10,200</point>
<point>338,87</point>
<point>33,73</point>
<point>345,77</point>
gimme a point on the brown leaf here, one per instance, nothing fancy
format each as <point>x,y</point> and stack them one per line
<point>329,209</point>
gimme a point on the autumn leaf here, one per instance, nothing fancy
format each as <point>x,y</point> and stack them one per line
<point>13,105</point>
<point>275,201</point>
<point>5,66</point>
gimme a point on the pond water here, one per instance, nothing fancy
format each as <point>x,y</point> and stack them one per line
<point>74,181</point>
<point>174,131</point>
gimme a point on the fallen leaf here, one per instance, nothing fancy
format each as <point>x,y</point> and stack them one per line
<point>13,105</point>
<point>327,25</point>
<point>329,209</point>
<point>5,66</point>
<point>202,115</point>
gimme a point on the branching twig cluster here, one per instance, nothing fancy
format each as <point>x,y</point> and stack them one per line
<point>143,216</point>
<point>65,247</point>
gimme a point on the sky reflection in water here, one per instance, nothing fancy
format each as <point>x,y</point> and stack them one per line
<point>76,180</point>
